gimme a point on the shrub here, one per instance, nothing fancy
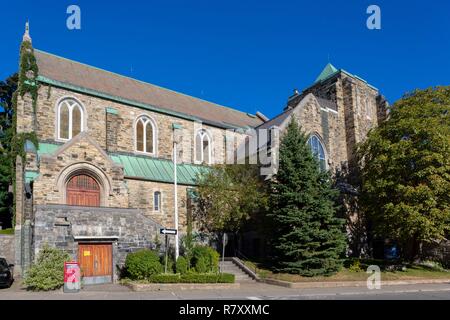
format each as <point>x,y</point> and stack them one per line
<point>142,264</point>
<point>164,278</point>
<point>201,266</point>
<point>181,265</point>
<point>208,278</point>
<point>192,278</point>
<point>48,271</point>
<point>170,263</point>
<point>355,266</point>
<point>211,258</point>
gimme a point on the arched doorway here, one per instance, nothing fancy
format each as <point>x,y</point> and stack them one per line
<point>83,190</point>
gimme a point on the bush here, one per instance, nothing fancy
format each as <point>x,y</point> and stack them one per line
<point>201,266</point>
<point>192,278</point>
<point>210,258</point>
<point>48,271</point>
<point>355,266</point>
<point>181,265</point>
<point>170,263</point>
<point>142,264</point>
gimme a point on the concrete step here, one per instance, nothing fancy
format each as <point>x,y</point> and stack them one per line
<point>239,275</point>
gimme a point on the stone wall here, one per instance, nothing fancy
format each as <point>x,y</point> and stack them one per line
<point>60,225</point>
<point>141,196</point>
<point>7,247</point>
<point>116,132</point>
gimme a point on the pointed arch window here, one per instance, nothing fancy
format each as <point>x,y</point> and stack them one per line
<point>318,151</point>
<point>145,135</point>
<point>70,119</point>
<point>203,147</point>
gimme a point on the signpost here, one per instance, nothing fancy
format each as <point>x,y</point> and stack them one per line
<point>224,243</point>
<point>166,232</point>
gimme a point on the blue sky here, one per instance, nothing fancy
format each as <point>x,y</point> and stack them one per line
<point>249,55</point>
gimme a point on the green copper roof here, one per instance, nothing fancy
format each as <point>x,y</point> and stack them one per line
<point>157,169</point>
<point>326,72</point>
<point>47,148</point>
<point>146,168</point>
<point>30,176</point>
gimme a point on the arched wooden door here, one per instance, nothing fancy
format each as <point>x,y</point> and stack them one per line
<point>83,190</point>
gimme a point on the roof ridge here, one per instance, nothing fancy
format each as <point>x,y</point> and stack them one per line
<point>141,81</point>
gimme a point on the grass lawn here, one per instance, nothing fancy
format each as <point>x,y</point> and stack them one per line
<point>414,272</point>
<point>7,231</point>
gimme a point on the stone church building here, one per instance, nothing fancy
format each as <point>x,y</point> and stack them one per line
<point>100,181</point>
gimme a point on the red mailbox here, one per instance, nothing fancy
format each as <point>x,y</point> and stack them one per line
<point>72,277</point>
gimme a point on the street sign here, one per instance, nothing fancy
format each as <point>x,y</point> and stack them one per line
<point>168,231</point>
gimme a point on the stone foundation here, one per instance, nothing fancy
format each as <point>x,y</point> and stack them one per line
<point>63,227</point>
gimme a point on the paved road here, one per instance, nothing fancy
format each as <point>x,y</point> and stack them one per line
<point>248,291</point>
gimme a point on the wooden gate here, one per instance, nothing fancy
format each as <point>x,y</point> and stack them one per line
<point>83,190</point>
<point>95,262</point>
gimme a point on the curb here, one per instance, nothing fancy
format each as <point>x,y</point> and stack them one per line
<point>142,287</point>
<point>335,284</point>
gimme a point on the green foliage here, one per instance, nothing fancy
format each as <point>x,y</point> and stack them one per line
<point>187,242</point>
<point>201,265</point>
<point>405,169</point>
<point>205,259</point>
<point>48,271</point>
<point>355,266</point>
<point>28,72</point>
<point>142,264</point>
<point>181,265</point>
<point>226,197</point>
<point>7,231</point>
<point>192,278</point>
<point>308,238</point>
<point>170,263</point>
<point>7,89</point>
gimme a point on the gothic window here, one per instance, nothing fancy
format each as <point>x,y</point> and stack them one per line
<point>203,147</point>
<point>157,201</point>
<point>70,119</point>
<point>145,135</point>
<point>318,151</point>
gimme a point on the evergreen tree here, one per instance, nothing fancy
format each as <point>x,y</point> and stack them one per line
<point>309,238</point>
<point>7,89</point>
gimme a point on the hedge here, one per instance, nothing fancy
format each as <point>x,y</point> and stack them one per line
<point>192,278</point>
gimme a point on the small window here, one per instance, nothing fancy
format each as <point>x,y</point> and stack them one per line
<point>368,108</point>
<point>203,147</point>
<point>145,135</point>
<point>157,201</point>
<point>318,151</point>
<point>70,119</point>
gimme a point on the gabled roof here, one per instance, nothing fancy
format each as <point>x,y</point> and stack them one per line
<point>281,118</point>
<point>328,71</point>
<point>63,72</point>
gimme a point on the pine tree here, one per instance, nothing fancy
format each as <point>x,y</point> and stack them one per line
<point>309,238</point>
